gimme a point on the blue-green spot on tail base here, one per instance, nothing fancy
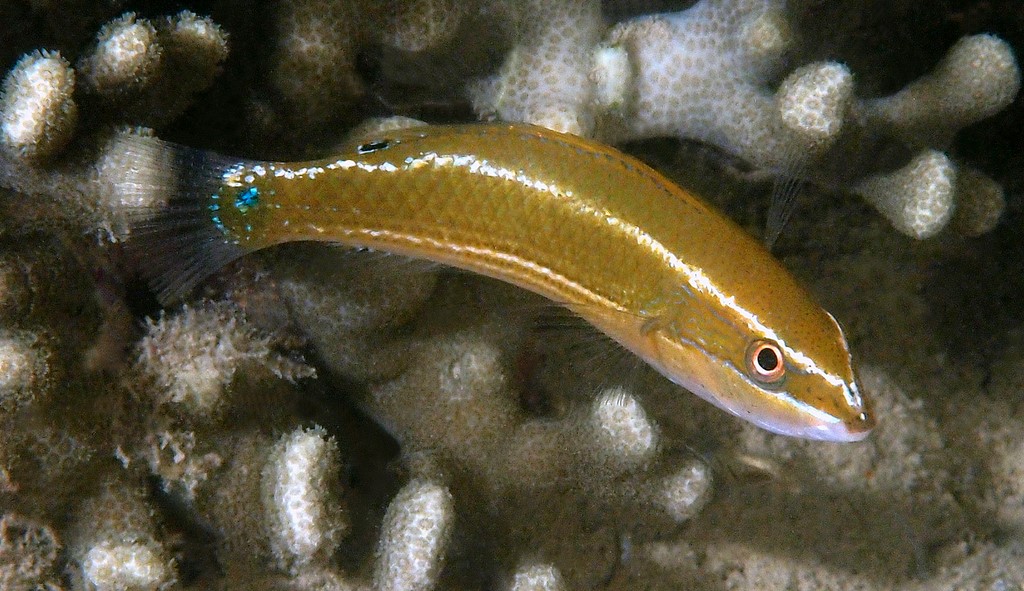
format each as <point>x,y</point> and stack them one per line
<point>247,199</point>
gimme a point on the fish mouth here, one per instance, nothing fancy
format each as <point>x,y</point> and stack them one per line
<point>854,428</point>
<point>855,424</point>
<point>839,431</point>
<point>860,424</point>
<point>852,423</point>
<point>857,428</point>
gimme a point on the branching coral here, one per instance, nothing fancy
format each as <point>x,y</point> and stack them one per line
<point>314,65</point>
<point>724,54</point>
<point>138,72</point>
<point>416,26</point>
<point>544,79</point>
<point>706,73</point>
<point>193,357</point>
<point>458,405</point>
<point>352,309</point>
<point>154,70</point>
<point>48,318</point>
<point>238,440</point>
<point>976,79</point>
<point>918,198</point>
<point>314,68</point>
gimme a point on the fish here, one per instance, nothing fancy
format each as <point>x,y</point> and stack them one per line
<point>581,223</point>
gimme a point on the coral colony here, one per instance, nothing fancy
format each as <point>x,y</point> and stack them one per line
<point>322,419</point>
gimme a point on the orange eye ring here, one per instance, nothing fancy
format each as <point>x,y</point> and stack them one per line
<point>766,362</point>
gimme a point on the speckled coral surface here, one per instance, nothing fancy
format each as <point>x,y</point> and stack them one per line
<point>458,434</point>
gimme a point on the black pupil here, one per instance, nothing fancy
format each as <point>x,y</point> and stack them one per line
<point>767,360</point>
<point>372,147</point>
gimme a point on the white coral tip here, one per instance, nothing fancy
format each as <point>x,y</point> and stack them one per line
<point>682,494</point>
<point>622,429</point>
<point>38,112</point>
<point>199,33</point>
<point>126,56</point>
<point>918,198</point>
<point>813,102</point>
<point>537,577</point>
<point>121,567</point>
<point>306,519</point>
<point>23,369</point>
<point>414,537</point>
<point>981,75</point>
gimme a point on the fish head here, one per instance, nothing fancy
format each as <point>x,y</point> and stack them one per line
<point>790,373</point>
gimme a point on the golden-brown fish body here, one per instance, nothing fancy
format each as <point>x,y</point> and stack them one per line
<point>578,222</point>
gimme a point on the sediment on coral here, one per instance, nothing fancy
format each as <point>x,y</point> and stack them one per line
<point>113,543</point>
<point>318,417</point>
<point>28,553</point>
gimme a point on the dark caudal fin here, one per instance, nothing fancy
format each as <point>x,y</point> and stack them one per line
<point>178,245</point>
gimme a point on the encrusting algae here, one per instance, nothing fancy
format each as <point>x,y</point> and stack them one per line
<point>312,416</point>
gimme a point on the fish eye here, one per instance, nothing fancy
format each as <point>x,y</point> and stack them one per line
<point>765,361</point>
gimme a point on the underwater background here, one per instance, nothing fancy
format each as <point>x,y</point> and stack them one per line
<point>317,418</point>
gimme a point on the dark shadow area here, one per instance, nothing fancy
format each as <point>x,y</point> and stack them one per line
<point>819,525</point>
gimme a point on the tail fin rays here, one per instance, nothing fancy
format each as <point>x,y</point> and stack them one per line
<point>179,245</point>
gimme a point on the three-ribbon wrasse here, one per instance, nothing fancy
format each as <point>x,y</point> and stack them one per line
<point>595,230</point>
